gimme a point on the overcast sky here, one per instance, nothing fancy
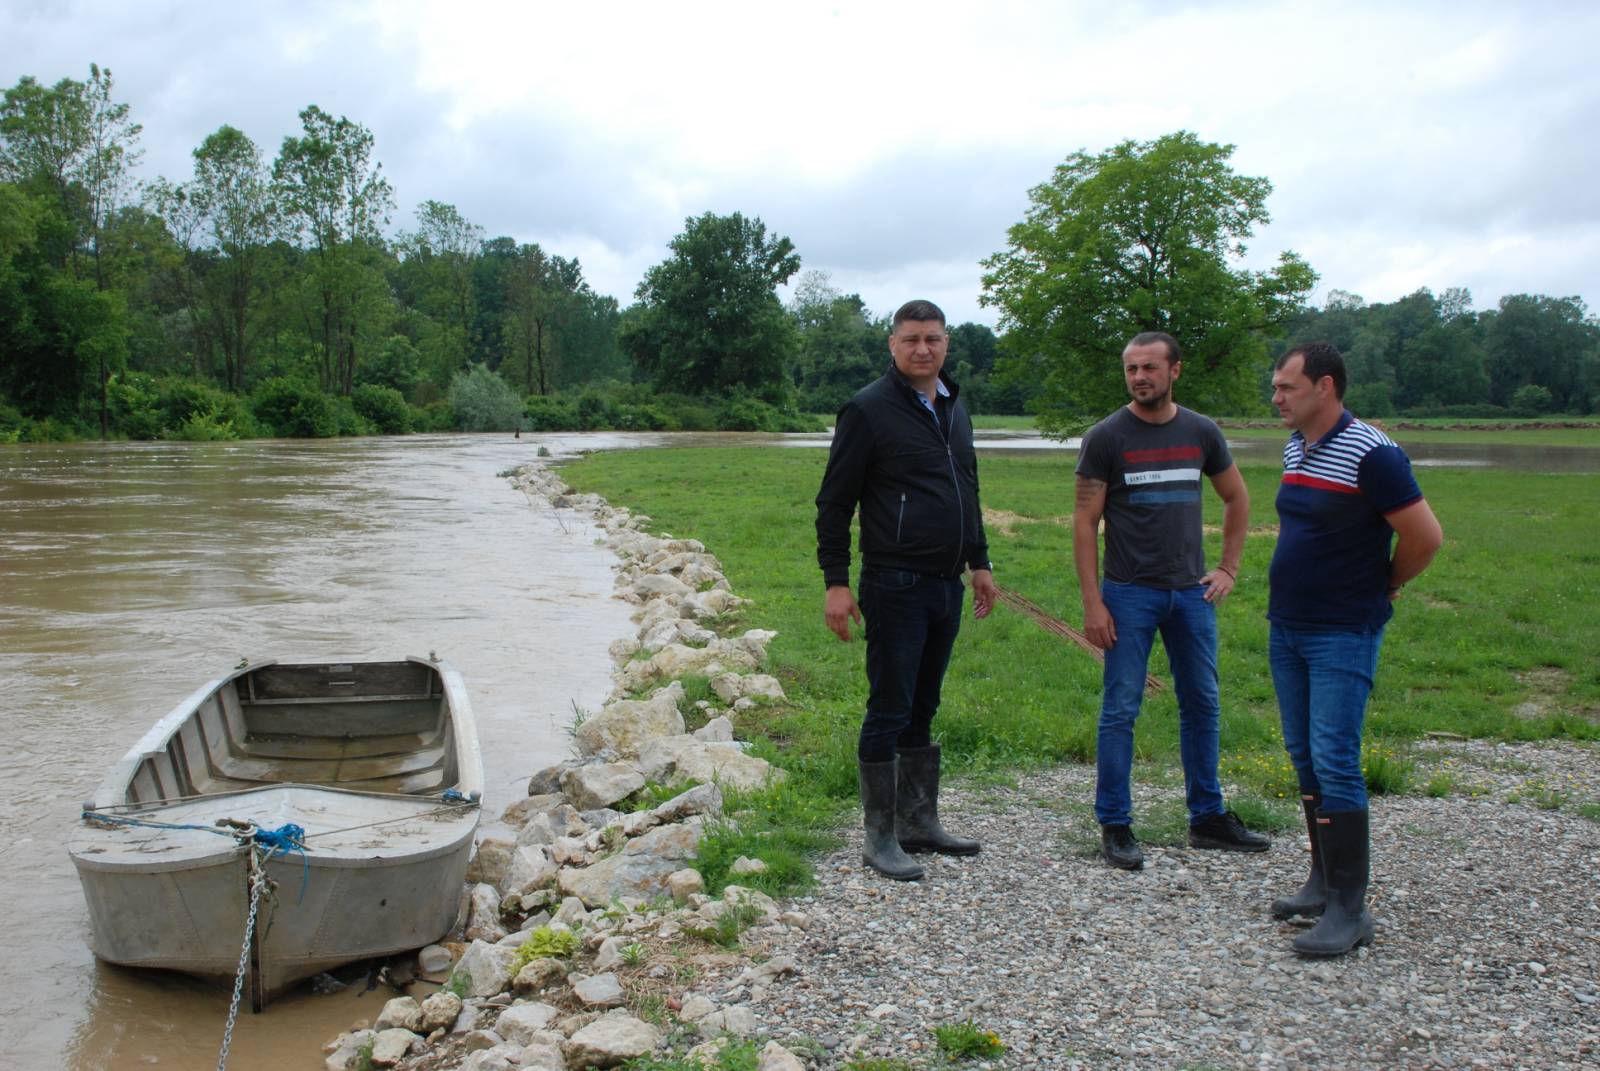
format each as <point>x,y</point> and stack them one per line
<point>1409,144</point>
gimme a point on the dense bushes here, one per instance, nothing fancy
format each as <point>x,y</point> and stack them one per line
<point>294,409</point>
<point>142,406</point>
<point>633,407</point>
<point>482,401</point>
<point>383,407</point>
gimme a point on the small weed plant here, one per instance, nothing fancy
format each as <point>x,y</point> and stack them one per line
<point>654,794</point>
<point>965,1040</point>
<point>458,983</point>
<point>1388,773</point>
<point>635,954</point>
<point>544,943</point>
<point>734,920</point>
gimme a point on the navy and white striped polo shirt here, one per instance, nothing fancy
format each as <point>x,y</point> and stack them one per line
<point>1330,570</point>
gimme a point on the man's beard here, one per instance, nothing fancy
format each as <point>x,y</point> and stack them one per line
<point>1155,402</point>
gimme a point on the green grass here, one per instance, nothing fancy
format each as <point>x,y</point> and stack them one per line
<point>1503,619</point>
<point>1430,430</point>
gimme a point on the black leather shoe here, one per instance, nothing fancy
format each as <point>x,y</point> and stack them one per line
<point>1120,849</point>
<point>1224,832</point>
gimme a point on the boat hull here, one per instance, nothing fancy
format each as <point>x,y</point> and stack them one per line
<point>168,881</point>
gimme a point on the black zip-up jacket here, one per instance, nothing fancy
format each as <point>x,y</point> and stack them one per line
<point>915,480</point>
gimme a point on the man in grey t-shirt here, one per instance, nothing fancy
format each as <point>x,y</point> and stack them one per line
<point>1140,469</point>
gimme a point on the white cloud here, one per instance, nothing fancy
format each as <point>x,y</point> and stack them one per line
<point>1429,143</point>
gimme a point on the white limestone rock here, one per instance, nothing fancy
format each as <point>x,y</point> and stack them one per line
<point>483,915</point>
<point>775,1057</point>
<point>609,1041</point>
<point>439,1011</point>
<point>701,799</point>
<point>696,1007</point>
<point>717,730</point>
<point>490,859</point>
<point>404,1013</point>
<point>639,869</point>
<point>547,828</point>
<point>625,726</point>
<point>540,973</point>
<point>391,1046</point>
<point>685,758</point>
<point>487,967</point>
<point>602,784</point>
<point>521,1022</point>
<point>599,990</point>
<point>531,868</point>
<point>517,814</point>
<point>736,1019</point>
<point>681,884</point>
<point>344,1052</point>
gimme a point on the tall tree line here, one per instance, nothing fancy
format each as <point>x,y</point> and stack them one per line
<point>251,269</point>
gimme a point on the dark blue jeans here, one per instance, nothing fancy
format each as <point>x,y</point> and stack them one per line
<point>1188,627</point>
<point>912,621</point>
<point>1323,680</point>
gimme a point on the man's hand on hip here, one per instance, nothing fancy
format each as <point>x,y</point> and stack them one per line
<point>839,610</point>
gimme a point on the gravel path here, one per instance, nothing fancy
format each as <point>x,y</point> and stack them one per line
<point>1487,954</point>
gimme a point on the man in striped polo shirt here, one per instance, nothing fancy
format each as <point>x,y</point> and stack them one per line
<point>1347,492</point>
<point>1140,468</point>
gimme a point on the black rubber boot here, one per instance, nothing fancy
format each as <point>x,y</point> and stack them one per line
<point>916,819</point>
<point>880,850</point>
<point>1345,923</point>
<point>1313,895</point>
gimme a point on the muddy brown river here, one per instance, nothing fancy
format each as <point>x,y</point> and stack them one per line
<point>132,573</point>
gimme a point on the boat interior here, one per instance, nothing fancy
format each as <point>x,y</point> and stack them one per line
<point>363,726</point>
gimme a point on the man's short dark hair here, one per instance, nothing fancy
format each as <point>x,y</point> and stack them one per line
<point>1318,359</point>
<point>919,311</point>
<point>1150,338</point>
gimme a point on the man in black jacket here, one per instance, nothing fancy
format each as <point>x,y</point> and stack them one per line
<point>902,451</point>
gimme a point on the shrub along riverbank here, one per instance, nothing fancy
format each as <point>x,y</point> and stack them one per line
<point>1495,641</point>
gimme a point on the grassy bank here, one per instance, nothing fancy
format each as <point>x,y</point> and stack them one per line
<point>1497,640</point>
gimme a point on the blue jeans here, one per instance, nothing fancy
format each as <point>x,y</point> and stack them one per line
<point>1188,627</point>
<point>1323,680</point>
<point>912,620</point>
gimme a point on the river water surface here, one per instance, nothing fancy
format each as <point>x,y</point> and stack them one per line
<point>132,573</point>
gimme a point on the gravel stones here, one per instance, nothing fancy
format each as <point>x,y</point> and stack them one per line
<point>1487,954</point>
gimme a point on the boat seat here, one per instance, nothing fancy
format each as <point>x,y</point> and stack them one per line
<point>340,772</point>
<point>264,746</point>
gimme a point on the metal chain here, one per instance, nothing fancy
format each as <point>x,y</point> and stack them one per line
<point>258,881</point>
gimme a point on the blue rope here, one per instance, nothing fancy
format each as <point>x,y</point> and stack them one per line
<point>118,820</point>
<point>286,838</point>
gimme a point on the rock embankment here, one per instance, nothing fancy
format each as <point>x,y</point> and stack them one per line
<point>589,938</point>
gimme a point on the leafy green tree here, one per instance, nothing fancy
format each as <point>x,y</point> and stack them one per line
<point>1533,339</point>
<point>223,220</point>
<point>337,199</point>
<point>710,317</point>
<point>74,144</point>
<point>842,346</point>
<point>436,276</point>
<point>1141,237</point>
